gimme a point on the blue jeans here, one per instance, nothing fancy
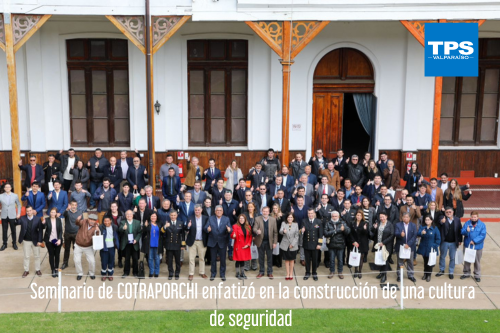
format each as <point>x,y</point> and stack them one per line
<point>445,247</point>
<point>108,261</point>
<point>339,253</point>
<point>93,187</point>
<point>154,261</point>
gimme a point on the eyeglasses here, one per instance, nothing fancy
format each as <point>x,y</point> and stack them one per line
<point>33,160</point>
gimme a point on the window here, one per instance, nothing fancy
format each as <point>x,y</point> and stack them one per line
<point>217,80</point>
<point>98,92</point>
<point>469,106</point>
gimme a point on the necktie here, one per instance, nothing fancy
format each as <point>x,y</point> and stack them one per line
<point>281,202</point>
<point>212,171</point>
<point>171,186</point>
<point>150,207</point>
<point>324,189</point>
<point>112,169</point>
<point>173,223</point>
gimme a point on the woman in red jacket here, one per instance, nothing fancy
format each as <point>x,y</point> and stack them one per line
<point>242,235</point>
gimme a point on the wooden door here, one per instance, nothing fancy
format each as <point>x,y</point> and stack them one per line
<point>327,122</point>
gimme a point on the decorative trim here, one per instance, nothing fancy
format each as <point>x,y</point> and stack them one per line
<point>2,33</point>
<point>271,33</point>
<point>133,27</point>
<point>24,26</point>
<point>303,32</point>
<point>165,27</point>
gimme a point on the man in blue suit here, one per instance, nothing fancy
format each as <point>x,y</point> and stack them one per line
<point>186,207</point>
<point>137,176</point>
<point>171,187</point>
<point>58,199</point>
<point>211,174</point>
<point>197,195</point>
<point>37,176</point>
<point>230,208</point>
<point>288,180</point>
<point>218,229</point>
<point>406,235</point>
<point>35,199</point>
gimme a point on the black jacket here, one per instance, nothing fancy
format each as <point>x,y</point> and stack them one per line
<point>36,229</point>
<point>146,216</point>
<point>387,235</point>
<point>448,202</point>
<point>286,206</point>
<point>50,171</point>
<point>444,227</point>
<point>191,236</point>
<point>356,173</point>
<point>341,167</point>
<point>48,229</point>
<point>115,177</point>
<point>316,166</point>
<point>337,236</point>
<point>313,236</point>
<point>97,174</point>
<point>174,236</point>
<point>360,235</point>
<point>325,214</point>
<point>392,213</point>
<point>146,238</point>
<point>258,199</point>
<point>64,161</point>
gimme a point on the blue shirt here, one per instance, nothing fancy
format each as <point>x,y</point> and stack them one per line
<point>155,236</point>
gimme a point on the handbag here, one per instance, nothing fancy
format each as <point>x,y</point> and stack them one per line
<point>379,258</point>
<point>51,186</point>
<point>97,241</point>
<point>276,250</point>
<point>254,251</point>
<point>470,254</point>
<point>404,253</point>
<point>354,257</point>
<point>432,258</point>
<point>459,257</point>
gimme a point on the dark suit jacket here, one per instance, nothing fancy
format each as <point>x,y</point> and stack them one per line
<point>325,214</point>
<point>271,190</point>
<point>183,213</point>
<point>39,175</point>
<point>36,229</point>
<point>125,202</point>
<point>141,180</point>
<point>48,229</point>
<point>204,212</point>
<point>164,188</point>
<point>336,205</point>
<point>410,237</point>
<point>115,177</point>
<point>313,236</point>
<point>175,236</point>
<point>457,228</point>
<point>39,205</point>
<point>315,165</point>
<point>217,195</point>
<point>191,236</point>
<point>239,195</point>
<point>208,178</point>
<point>289,184</point>
<point>387,235</point>
<point>257,179</point>
<point>146,215</point>
<point>201,197</point>
<point>136,231</point>
<point>218,236</point>
<point>258,199</point>
<point>156,202</point>
<point>341,167</point>
<point>51,171</point>
<point>286,206</point>
<point>228,210</point>
<point>392,213</point>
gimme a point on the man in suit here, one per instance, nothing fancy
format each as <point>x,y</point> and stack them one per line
<point>125,163</point>
<point>357,197</point>
<point>312,234</point>
<point>211,174</point>
<point>218,229</point>
<point>391,211</point>
<point>125,199</point>
<point>338,201</point>
<point>257,176</point>
<point>52,171</point>
<point>301,192</point>
<point>373,188</point>
<point>143,213</point>
<point>243,205</point>
<point>197,195</point>
<point>341,165</point>
<point>265,233</point>
<point>186,207</point>
<point>35,199</point>
<point>68,162</point>
<point>103,197</point>
<point>443,182</point>
<point>274,188</point>
<point>31,239</point>
<point>58,199</point>
<point>324,188</point>
<point>324,213</point>
<point>11,211</point>
<point>196,239</point>
<point>332,175</point>
<point>239,193</point>
<point>297,166</point>
<point>451,238</point>
<point>318,162</point>
<point>288,180</point>
<point>137,175</point>
<point>378,198</point>
<point>114,173</point>
<point>175,243</point>
<point>230,206</point>
<point>218,193</point>
<point>283,202</point>
<point>130,234</point>
<point>306,185</point>
<point>311,178</point>
<point>97,164</point>
<point>34,172</point>
<point>435,192</point>
<point>171,187</point>
<point>152,201</point>
<point>406,235</point>
<point>262,198</point>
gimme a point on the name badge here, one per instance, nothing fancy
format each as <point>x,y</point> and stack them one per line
<point>130,238</point>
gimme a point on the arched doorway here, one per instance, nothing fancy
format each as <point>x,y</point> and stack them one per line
<point>343,103</point>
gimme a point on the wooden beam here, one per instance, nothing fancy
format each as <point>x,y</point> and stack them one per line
<point>309,36</point>
<point>14,117</point>
<point>419,36</point>
<point>30,33</point>
<point>263,33</point>
<point>436,125</point>
<point>130,36</point>
<point>2,44</point>
<point>171,32</point>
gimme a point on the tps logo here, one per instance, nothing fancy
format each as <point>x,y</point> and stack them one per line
<point>451,49</point>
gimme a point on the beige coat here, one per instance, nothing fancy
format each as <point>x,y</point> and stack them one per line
<point>272,228</point>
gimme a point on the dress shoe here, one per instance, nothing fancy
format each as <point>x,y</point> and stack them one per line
<point>3,247</point>
<point>384,278</point>
<point>360,275</point>
<point>231,258</point>
<point>124,276</point>
<point>212,278</point>
<point>110,278</point>
<point>260,275</point>
<point>170,277</point>
<point>355,275</point>
<point>190,278</point>
<point>155,276</point>
<point>203,276</point>
<point>243,275</point>
<point>379,276</point>
<point>92,277</point>
<point>450,276</point>
<point>120,264</point>
<point>270,276</point>
<point>349,266</point>
<point>412,279</point>
<point>477,279</point>
<point>151,276</point>
<point>463,277</point>
<point>78,278</point>
<point>424,277</point>
<point>390,261</point>
<point>177,278</point>
<point>415,262</point>
<point>223,278</point>
<point>398,279</point>
<point>341,276</point>
<point>103,279</point>
<point>306,277</point>
<point>38,273</point>
<point>303,262</point>
<point>428,278</point>
<point>327,266</point>
<point>440,273</point>
<point>25,274</point>
<point>331,275</point>
<point>64,265</point>
<point>54,273</point>
<point>15,246</point>
<point>238,276</point>
<point>182,263</point>
<point>315,277</point>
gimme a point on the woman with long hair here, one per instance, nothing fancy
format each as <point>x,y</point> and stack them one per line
<point>53,239</point>
<point>251,214</point>
<point>278,215</point>
<point>233,175</point>
<point>430,239</point>
<point>433,212</point>
<point>289,243</point>
<point>242,235</point>
<point>360,233</point>
<point>152,243</point>
<point>454,197</point>
<point>412,178</point>
<point>371,171</point>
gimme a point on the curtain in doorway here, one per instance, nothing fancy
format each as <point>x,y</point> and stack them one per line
<point>364,107</point>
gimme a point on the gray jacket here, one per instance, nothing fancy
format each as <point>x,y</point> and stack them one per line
<point>290,237</point>
<point>9,209</point>
<point>84,179</point>
<point>81,199</point>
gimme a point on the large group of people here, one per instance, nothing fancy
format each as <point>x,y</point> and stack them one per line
<point>274,213</point>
